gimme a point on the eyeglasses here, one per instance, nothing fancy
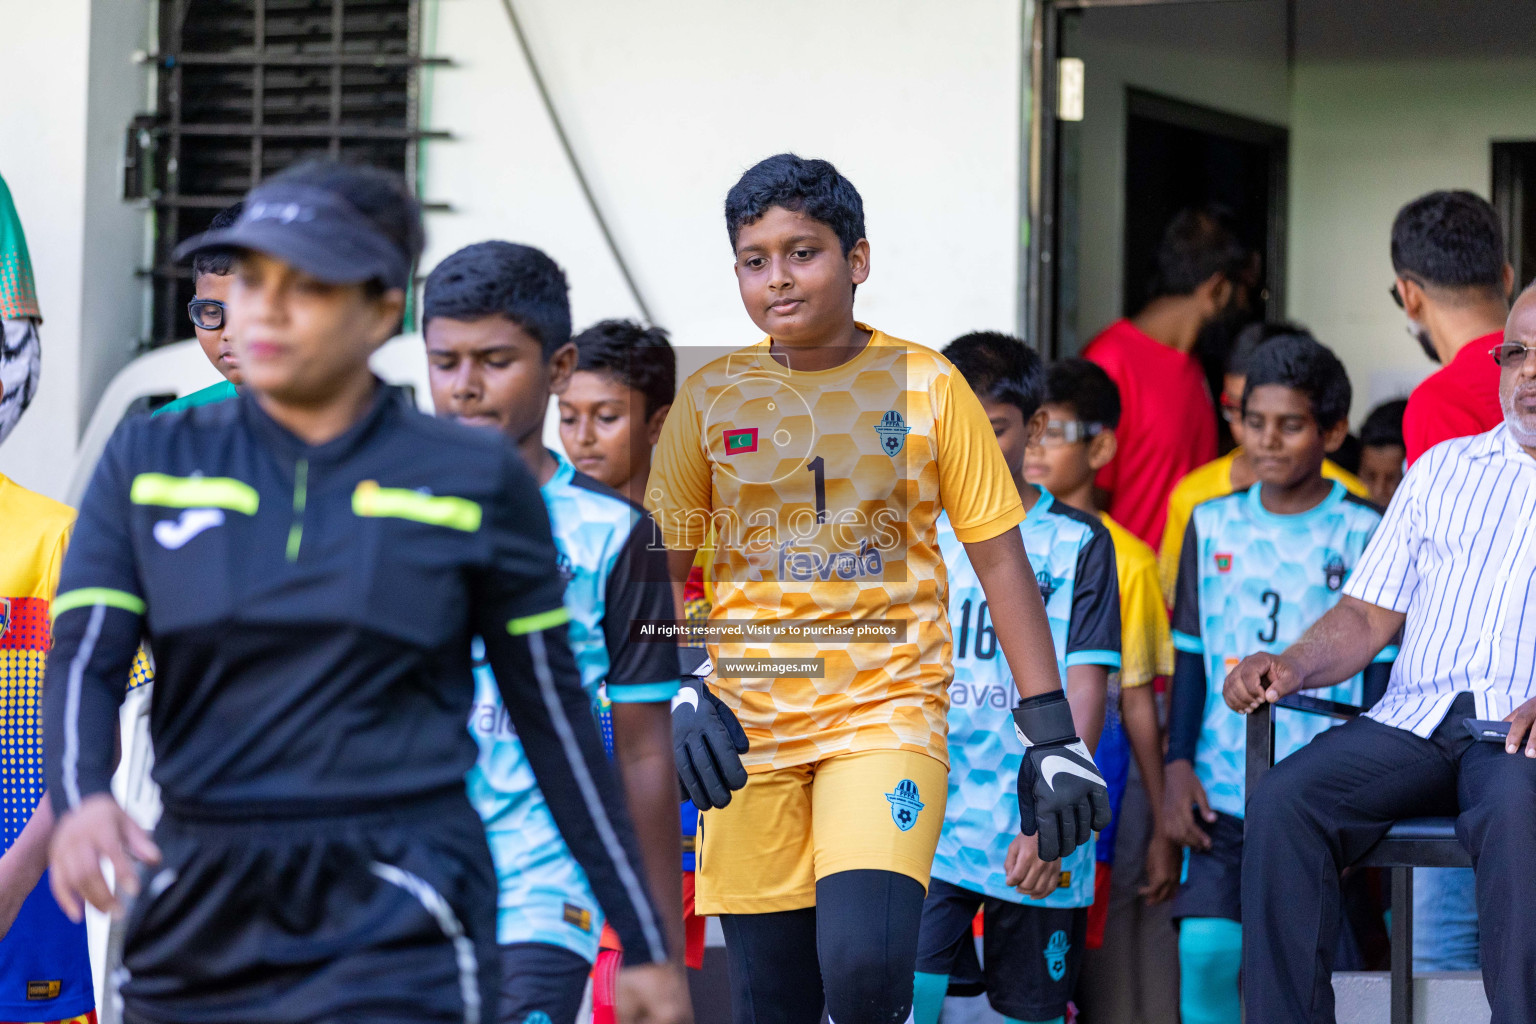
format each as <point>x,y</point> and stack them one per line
<point>206,313</point>
<point>1063,432</point>
<point>1510,355</point>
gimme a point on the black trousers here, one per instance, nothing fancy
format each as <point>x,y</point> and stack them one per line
<point>1324,806</point>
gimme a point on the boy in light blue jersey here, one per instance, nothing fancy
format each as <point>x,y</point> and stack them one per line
<point>1256,568</point>
<point>1034,913</point>
<point>498,338</point>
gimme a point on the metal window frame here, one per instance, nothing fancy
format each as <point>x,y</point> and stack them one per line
<point>162,194</point>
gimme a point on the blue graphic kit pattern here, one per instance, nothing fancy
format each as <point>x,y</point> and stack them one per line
<point>1074,564</point>
<point>1250,581</point>
<point>613,575</point>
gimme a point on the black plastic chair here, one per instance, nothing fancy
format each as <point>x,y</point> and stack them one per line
<point>1409,843</point>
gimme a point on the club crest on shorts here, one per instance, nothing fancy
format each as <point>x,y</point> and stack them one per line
<point>905,805</point>
<point>893,431</point>
<point>1056,955</point>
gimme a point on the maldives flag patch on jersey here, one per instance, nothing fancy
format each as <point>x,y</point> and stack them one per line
<point>1223,563</point>
<point>739,441</point>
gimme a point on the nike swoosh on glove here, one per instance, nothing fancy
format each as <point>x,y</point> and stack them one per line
<point>707,742</point>
<point>1062,795</point>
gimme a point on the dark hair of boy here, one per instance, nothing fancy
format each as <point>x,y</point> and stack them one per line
<point>637,356</point>
<point>1450,239</point>
<point>1252,337</point>
<point>1197,244</point>
<point>811,187</point>
<point>1000,368</point>
<point>1305,365</point>
<point>378,195</point>
<point>1384,426</point>
<point>219,262</point>
<point>518,282</point>
<point>1086,389</point>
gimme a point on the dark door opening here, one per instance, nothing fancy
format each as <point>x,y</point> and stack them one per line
<point>1514,196</point>
<point>1178,155</point>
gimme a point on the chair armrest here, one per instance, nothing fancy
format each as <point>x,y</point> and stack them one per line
<point>1319,706</point>
<point>1261,730</point>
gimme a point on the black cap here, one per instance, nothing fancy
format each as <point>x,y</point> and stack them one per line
<point>312,229</point>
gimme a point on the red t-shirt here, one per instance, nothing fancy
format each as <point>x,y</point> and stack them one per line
<point>1167,425</point>
<point>1459,399</point>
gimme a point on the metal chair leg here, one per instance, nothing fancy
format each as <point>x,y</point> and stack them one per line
<point>1402,945</point>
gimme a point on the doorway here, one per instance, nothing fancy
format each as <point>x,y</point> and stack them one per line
<point>1179,155</point>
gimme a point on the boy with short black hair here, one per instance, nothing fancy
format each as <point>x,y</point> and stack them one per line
<point>1383,453</point>
<point>1257,568</point>
<point>211,276</point>
<point>1082,410</point>
<point>1234,470</point>
<point>822,457</point>
<point>1035,911</point>
<point>612,408</point>
<point>497,326</point>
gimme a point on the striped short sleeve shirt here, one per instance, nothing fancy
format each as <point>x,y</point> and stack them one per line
<point>1456,554</point>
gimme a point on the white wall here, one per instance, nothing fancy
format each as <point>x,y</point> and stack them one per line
<point>666,105</point>
<point>43,51</point>
<point>1366,137</point>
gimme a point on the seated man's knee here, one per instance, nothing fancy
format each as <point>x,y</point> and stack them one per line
<point>1278,802</point>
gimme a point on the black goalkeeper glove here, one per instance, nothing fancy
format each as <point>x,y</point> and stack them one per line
<point>1062,795</point>
<point>707,742</point>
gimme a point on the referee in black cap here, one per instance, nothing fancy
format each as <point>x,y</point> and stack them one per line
<point>309,563</point>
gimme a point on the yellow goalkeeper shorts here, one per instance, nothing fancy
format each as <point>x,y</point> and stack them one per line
<point>875,810</point>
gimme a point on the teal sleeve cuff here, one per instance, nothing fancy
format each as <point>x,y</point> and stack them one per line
<point>1186,643</point>
<point>643,693</point>
<point>1387,656</point>
<point>1109,659</point>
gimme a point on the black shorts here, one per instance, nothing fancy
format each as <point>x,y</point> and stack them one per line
<point>540,979</point>
<point>1213,879</point>
<point>381,917</point>
<point>1030,955</point>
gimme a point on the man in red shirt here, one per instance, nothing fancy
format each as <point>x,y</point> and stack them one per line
<point>1454,284</point>
<point>1167,423</point>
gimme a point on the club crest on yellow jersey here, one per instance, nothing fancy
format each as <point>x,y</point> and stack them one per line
<point>893,431</point>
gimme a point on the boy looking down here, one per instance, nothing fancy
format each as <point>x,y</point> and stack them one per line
<point>1257,568</point>
<point>497,325</point>
<point>212,273</point>
<point>822,457</point>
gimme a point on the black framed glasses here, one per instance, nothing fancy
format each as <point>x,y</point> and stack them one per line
<point>1511,355</point>
<point>206,313</point>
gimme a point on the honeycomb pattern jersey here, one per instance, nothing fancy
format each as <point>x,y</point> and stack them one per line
<point>824,489</point>
<point>1074,563</point>
<point>1249,581</point>
<point>543,893</point>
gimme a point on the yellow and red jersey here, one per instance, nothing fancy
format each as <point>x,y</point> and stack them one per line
<point>823,489</point>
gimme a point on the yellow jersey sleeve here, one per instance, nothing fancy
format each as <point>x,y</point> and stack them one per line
<point>679,492</point>
<point>1146,646</point>
<point>982,500</point>
<point>56,561</point>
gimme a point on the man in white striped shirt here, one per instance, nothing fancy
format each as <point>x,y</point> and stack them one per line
<point>1452,566</point>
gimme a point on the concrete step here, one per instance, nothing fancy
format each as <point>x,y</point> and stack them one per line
<point>1446,997</point>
